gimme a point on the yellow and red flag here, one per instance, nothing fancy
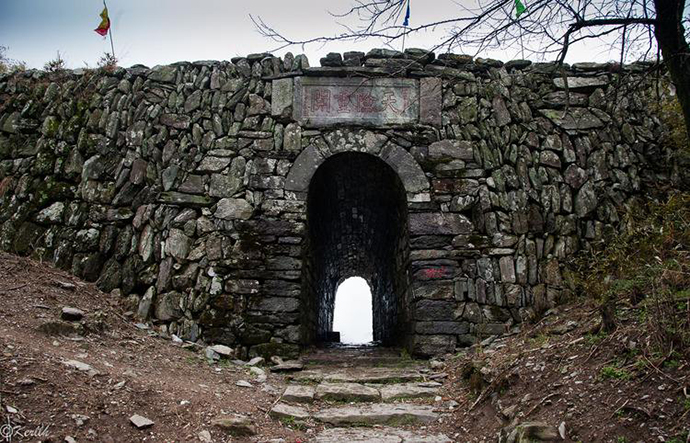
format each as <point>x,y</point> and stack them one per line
<point>105,23</point>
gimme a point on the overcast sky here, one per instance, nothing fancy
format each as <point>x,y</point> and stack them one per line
<point>353,311</point>
<point>152,32</point>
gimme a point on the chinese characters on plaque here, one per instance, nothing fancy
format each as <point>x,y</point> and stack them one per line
<point>324,101</point>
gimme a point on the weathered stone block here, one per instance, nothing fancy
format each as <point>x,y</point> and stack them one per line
<point>276,304</point>
<point>434,310</point>
<point>282,96</point>
<point>427,345</point>
<point>442,327</point>
<point>233,209</point>
<point>434,290</point>
<point>451,149</point>
<point>439,224</point>
<point>430,101</point>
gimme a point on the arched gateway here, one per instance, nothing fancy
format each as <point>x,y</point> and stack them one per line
<point>357,225</point>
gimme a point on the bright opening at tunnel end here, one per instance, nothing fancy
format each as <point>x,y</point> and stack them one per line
<point>352,316</point>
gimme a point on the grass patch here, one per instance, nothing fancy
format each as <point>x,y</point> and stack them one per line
<point>646,268</point>
<point>293,423</point>
<point>538,341</point>
<point>613,372</point>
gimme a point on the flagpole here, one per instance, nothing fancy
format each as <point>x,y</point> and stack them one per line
<point>110,31</point>
<point>405,24</point>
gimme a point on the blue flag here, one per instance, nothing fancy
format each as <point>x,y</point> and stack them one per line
<point>407,15</point>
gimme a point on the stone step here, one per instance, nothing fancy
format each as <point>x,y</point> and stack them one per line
<point>348,392</point>
<point>282,410</point>
<point>392,392</point>
<point>377,414</point>
<point>299,394</point>
<point>362,435</point>
<point>358,375</point>
<point>355,392</point>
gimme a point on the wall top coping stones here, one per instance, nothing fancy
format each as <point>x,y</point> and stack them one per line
<point>414,63</point>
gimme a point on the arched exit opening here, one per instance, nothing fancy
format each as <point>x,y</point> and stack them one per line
<point>357,226</point>
<point>352,314</point>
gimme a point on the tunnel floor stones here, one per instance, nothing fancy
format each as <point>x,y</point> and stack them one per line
<point>351,390</point>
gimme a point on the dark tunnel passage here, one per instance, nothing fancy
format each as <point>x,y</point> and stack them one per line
<point>357,226</point>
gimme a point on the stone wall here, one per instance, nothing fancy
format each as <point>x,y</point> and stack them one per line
<point>187,190</point>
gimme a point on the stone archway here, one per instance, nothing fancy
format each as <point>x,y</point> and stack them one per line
<point>405,166</point>
<point>361,171</point>
<point>357,225</point>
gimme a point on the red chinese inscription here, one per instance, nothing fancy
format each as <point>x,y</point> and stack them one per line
<point>321,100</point>
<point>435,272</point>
<point>360,100</point>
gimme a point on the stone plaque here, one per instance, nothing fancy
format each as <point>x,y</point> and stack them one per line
<point>324,101</point>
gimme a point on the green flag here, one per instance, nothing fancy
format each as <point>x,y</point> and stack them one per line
<point>519,8</point>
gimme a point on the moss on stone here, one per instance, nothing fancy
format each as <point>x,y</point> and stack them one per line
<point>51,126</point>
<point>26,236</point>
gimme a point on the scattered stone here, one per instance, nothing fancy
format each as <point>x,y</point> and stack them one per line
<point>72,314</point>
<point>256,361</point>
<point>532,432</point>
<point>244,384</point>
<point>70,439</point>
<point>140,422</point>
<point>80,420</point>
<point>80,366</point>
<point>237,426</point>
<point>288,366</point>
<point>561,430</point>
<point>259,373</point>
<point>223,351</point>
<point>65,285</point>
<point>205,436</point>
<point>211,355</point>
<point>11,410</point>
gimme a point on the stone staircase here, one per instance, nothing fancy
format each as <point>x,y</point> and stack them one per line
<point>363,394</point>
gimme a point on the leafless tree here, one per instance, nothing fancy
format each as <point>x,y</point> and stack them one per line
<point>642,29</point>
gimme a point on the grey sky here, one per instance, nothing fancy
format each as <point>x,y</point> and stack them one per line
<point>154,32</point>
<point>353,313</point>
